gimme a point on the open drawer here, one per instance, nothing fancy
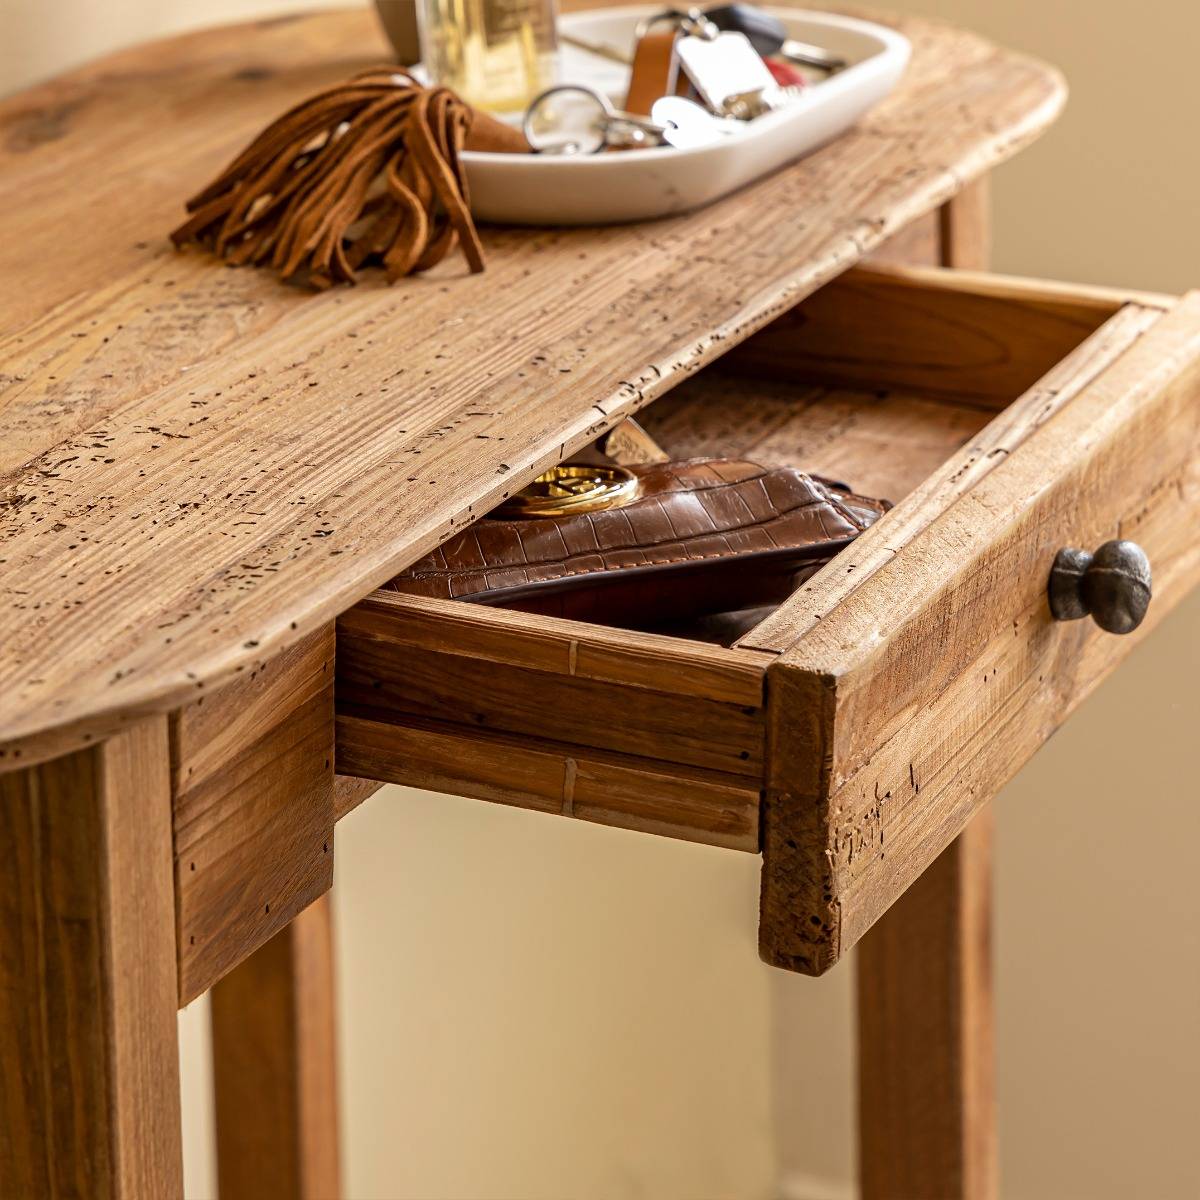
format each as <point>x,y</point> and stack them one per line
<point>850,735</point>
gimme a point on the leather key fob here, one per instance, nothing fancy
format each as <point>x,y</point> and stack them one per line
<point>655,71</point>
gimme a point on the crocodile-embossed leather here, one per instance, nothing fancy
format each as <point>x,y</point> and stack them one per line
<point>705,535</point>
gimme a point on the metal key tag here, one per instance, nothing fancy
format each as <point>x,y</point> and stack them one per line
<point>723,66</point>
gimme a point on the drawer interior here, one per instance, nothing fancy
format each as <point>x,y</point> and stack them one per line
<point>879,380</point>
<point>906,383</point>
<point>881,441</point>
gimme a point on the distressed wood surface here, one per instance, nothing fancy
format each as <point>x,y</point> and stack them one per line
<point>894,718</point>
<point>952,480</point>
<point>648,731</point>
<point>201,466</point>
<point>923,984</point>
<point>883,443</point>
<point>349,793</point>
<point>391,622</point>
<point>89,1067</point>
<point>253,808</point>
<point>275,1067</point>
<point>637,730</point>
<point>651,720</point>
<point>917,242</point>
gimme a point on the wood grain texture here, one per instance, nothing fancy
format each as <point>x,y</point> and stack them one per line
<point>883,443</point>
<point>926,1106</point>
<point>530,710</point>
<point>647,721</point>
<point>917,244</point>
<point>630,792</point>
<point>571,649</point>
<point>927,331</point>
<point>508,688</point>
<point>349,793</point>
<point>252,769</point>
<point>275,1067</point>
<point>89,1072</point>
<point>636,730</point>
<point>951,481</point>
<point>946,673</point>
<point>965,228</point>
<point>219,465</point>
<point>649,795</point>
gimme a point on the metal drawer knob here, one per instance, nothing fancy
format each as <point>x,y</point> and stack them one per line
<point>1113,585</point>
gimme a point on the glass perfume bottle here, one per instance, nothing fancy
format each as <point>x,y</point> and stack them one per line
<point>496,54</point>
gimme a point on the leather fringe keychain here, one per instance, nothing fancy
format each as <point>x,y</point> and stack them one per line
<point>364,172</point>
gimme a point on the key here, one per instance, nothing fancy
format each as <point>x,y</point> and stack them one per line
<point>687,125</point>
<point>745,106</point>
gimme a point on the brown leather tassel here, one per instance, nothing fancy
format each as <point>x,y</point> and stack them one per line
<point>365,172</point>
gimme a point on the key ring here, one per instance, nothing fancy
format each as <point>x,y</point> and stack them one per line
<point>692,21</point>
<point>594,125</point>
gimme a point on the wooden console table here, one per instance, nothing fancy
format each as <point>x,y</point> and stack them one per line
<point>205,474</point>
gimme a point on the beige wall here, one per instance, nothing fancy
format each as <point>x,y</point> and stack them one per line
<point>1108,195</point>
<point>533,1008</point>
<point>542,1009</point>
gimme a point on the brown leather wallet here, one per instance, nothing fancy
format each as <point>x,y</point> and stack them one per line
<point>700,536</point>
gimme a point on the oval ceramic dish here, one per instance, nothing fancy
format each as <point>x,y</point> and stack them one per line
<point>532,189</point>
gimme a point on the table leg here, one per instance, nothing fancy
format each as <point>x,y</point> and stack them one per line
<point>275,1068</point>
<point>966,228</point>
<point>89,1067</point>
<point>926,1086</point>
<point>926,1115</point>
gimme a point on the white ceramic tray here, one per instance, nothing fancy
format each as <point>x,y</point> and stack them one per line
<point>532,189</point>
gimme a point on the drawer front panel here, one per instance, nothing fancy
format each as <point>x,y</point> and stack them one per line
<point>896,716</point>
<point>626,729</point>
<point>502,698</point>
<point>630,793</point>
